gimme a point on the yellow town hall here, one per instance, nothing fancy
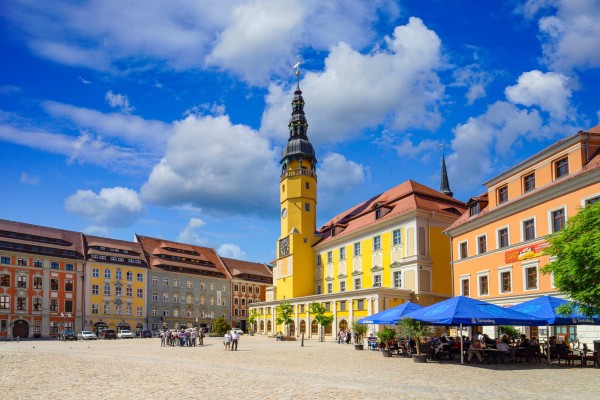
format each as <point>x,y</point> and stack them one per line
<point>380,253</point>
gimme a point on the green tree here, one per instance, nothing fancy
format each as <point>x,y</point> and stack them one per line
<point>385,335</point>
<point>510,331</point>
<point>359,330</point>
<point>284,316</point>
<point>252,317</point>
<point>319,311</point>
<point>576,268</point>
<point>414,329</point>
<point>220,326</point>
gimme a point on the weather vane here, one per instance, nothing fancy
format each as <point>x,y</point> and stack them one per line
<point>297,68</point>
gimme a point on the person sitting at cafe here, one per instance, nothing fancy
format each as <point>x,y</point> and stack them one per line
<point>505,339</point>
<point>488,341</point>
<point>476,349</point>
<point>523,340</point>
<point>533,341</point>
<point>503,350</point>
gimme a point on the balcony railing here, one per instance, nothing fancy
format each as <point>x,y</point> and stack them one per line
<point>298,172</point>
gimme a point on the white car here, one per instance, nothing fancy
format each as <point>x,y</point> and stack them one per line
<point>238,331</point>
<point>125,334</point>
<point>86,335</point>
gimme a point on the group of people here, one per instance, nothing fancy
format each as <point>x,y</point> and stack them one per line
<point>181,337</point>
<point>231,340</point>
<point>502,347</point>
<point>344,336</point>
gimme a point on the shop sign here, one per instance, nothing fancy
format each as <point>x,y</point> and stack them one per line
<point>526,252</point>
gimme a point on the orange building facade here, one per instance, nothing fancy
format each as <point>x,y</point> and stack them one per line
<point>41,280</point>
<point>498,244</point>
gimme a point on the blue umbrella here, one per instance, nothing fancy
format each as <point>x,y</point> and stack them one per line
<point>391,315</point>
<point>462,310</point>
<point>545,307</point>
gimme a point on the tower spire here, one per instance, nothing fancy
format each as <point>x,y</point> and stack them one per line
<point>444,184</point>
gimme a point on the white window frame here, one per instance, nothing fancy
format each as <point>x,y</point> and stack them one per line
<point>498,236</point>
<point>354,248</point>
<point>588,198</point>
<point>394,279</point>
<point>535,228</point>
<point>342,253</point>
<point>460,257</point>
<point>394,237</point>
<point>552,258</point>
<point>375,276</point>
<point>551,217</point>
<point>360,283</point>
<point>486,243</point>
<point>479,275</point>
<point>461,278</point>
<point>342,285</point>
<point>508,268</point>
<point>525,267</point>
<point>95,272</point>
<point>377,243</point>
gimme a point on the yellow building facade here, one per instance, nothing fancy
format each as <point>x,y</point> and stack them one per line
<point>498,244</point>
<point>116,295</point>
<point>381,253</point>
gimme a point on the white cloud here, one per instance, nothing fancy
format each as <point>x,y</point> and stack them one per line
<point>571,37</point>
<point>249,37</point>
<point>550,91</point>
<point>84,81</point>
<point>112,207</point>
<point>474,78</point>
<point>120,101</point>
<point>499,128</point>
<point>131,129</point>
<point>217,166</point>
<point>84,148</point>
<point>29,179</point>
<point>396,87</point>
<point>338,177</point>
<point>190,235</point>
<point>231,251</point>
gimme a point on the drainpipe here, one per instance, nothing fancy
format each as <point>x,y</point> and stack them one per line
<point>451,264</point>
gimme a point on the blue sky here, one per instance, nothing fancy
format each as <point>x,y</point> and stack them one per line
<point>167,119</point>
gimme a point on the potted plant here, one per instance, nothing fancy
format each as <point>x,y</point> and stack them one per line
<point>416,330</point>
<point>385,335</point>
<point>359,330</point>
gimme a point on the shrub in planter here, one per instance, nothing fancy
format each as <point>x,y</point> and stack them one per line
<point>359,330</point>
<point>385,335</point>
<point>414,329</point>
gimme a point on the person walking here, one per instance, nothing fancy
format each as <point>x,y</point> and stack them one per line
<point>162,338</point>
<point>234,340</point>
<point>201,337</point>
<point>227,340</point>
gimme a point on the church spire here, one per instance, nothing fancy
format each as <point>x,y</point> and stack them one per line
<point>444,184</point>
<point>298,146</point>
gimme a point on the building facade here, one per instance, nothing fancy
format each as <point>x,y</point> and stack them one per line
<point>498,244</point>
<point>385,251</point>
<point>188,285</point>
<point>249,284</point>
<point>41,280</point>
<point>116,285</point>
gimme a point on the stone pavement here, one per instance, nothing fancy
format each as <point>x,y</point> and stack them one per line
<point>266,369</point>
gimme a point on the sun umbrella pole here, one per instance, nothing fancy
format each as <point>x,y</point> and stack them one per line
<point>548,342</point>
<point>462,351</point>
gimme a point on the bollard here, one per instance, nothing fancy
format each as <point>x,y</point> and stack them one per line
<point>18,337</point>
<point>302,344</point>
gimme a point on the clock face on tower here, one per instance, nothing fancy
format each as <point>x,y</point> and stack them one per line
<point>284,213</point>
<point>284,247</point>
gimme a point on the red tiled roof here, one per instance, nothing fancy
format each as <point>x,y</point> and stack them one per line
<point>134,249</point>
<point>73,240</point>
<point>404,198</point>
<point>238,267</point>
<point>590,166</point>
<point>154,247</point>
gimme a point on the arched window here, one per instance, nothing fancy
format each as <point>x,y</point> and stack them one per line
<point>269,326</point>
<point>314,327</point>
<point>302,326</point>
<point>292,328</point>
<point>262,326</point>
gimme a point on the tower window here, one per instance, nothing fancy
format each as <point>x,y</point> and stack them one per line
<point>306,206</point>
<point>282,188</point>
<point>307,185</point>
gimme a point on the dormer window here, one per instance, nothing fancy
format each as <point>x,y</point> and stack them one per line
<point>503,195</point>
<point>561,168</point>
<point>378,214</point>
<point>474,209</point>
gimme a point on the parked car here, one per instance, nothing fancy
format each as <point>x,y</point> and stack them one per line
<point>144,334</point>
<point>108,334</point>
<point>239,331</point>
<point>125,334</point>
<point>86,335</point>
<point>67,334</point>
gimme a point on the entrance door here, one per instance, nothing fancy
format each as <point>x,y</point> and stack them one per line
<point>20,329</point>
